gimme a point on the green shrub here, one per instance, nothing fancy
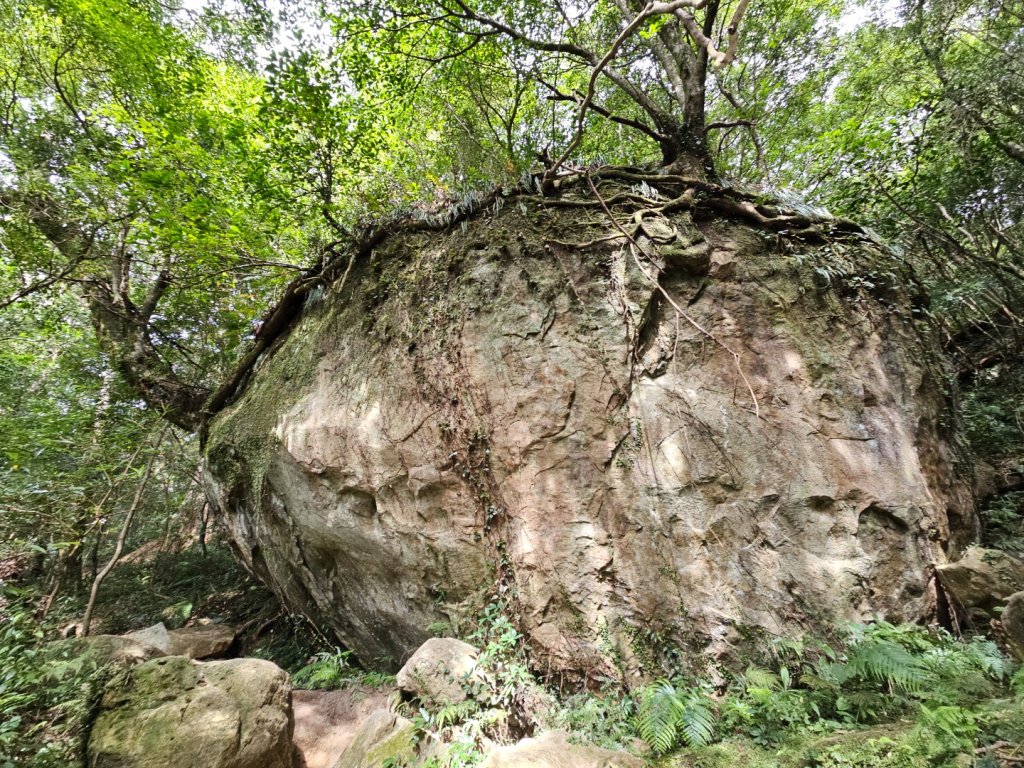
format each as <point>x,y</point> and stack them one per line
<point>46,699</point>
<point>605,719</point>
<point>327,669</point>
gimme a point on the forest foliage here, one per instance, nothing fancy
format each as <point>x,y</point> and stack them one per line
<point>166,170</point>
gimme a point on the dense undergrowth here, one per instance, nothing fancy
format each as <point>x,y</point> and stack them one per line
<point>879,695</point>
<point>48,688</point>
<point>876,695</point>
<point>882,695</point>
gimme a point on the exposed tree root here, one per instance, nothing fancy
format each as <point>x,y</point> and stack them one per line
<point>682,193</point>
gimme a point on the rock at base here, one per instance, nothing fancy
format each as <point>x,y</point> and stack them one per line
<point>384,738</point>
<point>326,722</point>
<point>175,712</point>
<point>436,672</point>
<point>155,636</point>
<point>553,750</point>
<point>983,578</point>
<point>1013,624</point>
<point>203,641</point>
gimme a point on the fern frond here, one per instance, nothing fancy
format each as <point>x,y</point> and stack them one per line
<point>866,705</point>
<point>657,716</point>
<point>986,656</point>
<point>830,673</point>
<point>696,719</point>
<point>818,683</point>
<point>1017,682</point>
<point>452,714</point>
<point>884,661</point>
<point>759,677</point>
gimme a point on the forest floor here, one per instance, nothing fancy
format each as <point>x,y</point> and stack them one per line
<point>953,703</point>
<point>327,721</point>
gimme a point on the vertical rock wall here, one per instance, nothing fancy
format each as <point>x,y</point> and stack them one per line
<point>681,433</point>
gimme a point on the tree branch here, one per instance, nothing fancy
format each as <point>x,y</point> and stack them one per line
<point>577,98</point>
<point>123,536</point>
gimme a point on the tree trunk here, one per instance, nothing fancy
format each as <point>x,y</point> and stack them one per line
<point>123,331</point>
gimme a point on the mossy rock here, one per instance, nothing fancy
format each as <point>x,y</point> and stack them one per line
<point>175,712</point>
<point>383,739</point>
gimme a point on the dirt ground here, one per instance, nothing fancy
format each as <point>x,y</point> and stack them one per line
<point>327,721</point>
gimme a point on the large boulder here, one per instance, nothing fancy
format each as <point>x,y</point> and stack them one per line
<point>173,711</point>
<point>762,442</point>
<point>553,750</point>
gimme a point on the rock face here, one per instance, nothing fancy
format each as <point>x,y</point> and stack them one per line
<point>384,738</point>
<point>173,711</point>
<point>326,722</point>
<point>1013,624</point>
<point>758,442</point>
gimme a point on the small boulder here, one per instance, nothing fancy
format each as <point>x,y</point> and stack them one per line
<point>205,641</point>
<point>104,649</point>
<point>693,259</point>
<point>172,711</point>
<point>437,672</point>
<point>384,738</point>
<point>1012,620</point>
<point>659,229</point>
<point>553,750</point>
<point>155,636</point>
<point>983,578</point>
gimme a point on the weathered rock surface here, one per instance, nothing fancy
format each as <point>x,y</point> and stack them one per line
<point>383,736</point>
<point>155,636</point>
<point>203,641</point>
<point>553,750</point>
<point>1012,619</point>
<point>494,405</point>
<point>438,671</point>
<point>173,711</point>
<point>983,578</point>
<point>105,649</point>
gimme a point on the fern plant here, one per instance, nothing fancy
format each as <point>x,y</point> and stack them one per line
<point>328,669</point>
<point>667,715</point>
<point>604,720</point>
<point>886,663</point>
<point>774,704</point>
